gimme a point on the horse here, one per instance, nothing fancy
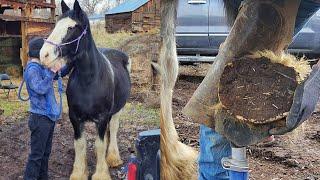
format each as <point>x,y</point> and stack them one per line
<point>97,90</point>
<point>252,30</point>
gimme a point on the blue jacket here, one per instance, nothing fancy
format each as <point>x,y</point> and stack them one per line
<point>39,82</point>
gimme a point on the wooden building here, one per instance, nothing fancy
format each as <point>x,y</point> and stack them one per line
<point>134,16</point>
<point>20,20</point>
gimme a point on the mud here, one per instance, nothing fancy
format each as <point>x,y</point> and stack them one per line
<point>14,140</point>
<point>256,90</point>
<point>294,156</point>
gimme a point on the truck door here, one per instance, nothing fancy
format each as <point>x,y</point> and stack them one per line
<point>218,26</point>
<point>192,24</point>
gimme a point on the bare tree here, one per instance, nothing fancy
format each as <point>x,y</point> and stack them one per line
<point>105,5</point>
<point>90,6</point>
<point>119,1</point>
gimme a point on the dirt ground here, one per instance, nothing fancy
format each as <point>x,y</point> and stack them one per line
<point>294,156</point>
<point>14,140</point>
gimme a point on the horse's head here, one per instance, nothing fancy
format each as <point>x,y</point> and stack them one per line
<point>67,38</point>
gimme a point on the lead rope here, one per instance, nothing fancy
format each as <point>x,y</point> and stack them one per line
<point>19,92</point>
<point>60,91</point>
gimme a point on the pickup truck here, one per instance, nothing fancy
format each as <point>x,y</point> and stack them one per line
<point>202,27</point>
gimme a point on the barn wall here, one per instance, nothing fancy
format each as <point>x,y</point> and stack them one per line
<point>10,44</point>
<point>10,50</point>
<point>143,19</point>
<point>118,22</point>
<point>146,17</point>
<point>18,24</point>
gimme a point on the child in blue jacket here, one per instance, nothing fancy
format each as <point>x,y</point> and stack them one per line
<point>44,111</point>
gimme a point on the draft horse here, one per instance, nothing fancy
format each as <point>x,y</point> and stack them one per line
<point>97,90</point>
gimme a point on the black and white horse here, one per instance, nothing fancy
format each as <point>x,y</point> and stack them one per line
<point>98,88</point>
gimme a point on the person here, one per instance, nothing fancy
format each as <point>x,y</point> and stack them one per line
<point>44,110</point>
<point>213,146</point>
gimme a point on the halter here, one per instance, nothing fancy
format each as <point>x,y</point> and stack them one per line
<point>59,46</point>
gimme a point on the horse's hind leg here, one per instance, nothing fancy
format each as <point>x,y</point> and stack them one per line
<point>113,157</point>
<point>102,170</point>
<point>80,171</point>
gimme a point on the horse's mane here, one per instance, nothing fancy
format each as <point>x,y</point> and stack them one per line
<point>231,9</point>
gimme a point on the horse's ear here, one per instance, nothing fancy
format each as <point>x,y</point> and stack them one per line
<point>76,7</point>
<point>64,7</point>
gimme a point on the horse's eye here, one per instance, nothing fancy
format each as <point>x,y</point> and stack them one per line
<point>70,28</point>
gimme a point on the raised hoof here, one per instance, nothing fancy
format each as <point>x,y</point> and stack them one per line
<point>114,160</point>
<point>78,176</point>
<point>101,176</point>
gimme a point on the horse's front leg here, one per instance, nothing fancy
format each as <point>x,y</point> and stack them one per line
<point>113,157</point>
<point>102,170</point>
<point>80,171</point>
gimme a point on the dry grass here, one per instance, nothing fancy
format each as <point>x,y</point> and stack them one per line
<point>142,49</point>
<point>13,106</point>
<point>107,40</point>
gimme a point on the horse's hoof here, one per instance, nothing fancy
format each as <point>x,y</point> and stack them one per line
<point>101,176</point>
<point>114,160</point>
<point>78,176</point>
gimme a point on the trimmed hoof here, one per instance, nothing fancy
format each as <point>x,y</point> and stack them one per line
<point>114,160</point>
<point>101,176</point>
<point>78,176</point>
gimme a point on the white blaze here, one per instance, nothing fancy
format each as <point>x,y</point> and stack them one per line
<point>47,53</point>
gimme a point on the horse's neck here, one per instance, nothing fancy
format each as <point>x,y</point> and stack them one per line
<point>87,62</point>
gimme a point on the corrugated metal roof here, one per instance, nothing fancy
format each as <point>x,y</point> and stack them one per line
<point>128,6</point>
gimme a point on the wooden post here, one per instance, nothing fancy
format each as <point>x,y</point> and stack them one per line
<point>26,12</point>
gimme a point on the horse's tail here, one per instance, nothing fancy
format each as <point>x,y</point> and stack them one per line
<point>126,60</point>
<point>231,9</point>
<point>178,161</point>
<point>117,55</point>
<point>128,66</point>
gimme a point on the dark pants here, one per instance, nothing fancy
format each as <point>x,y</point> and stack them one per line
<point>41,129</point>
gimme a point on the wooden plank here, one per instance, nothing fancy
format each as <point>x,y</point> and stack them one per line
<point>38,29</point>
<point>23,18</point>
<point>39,4</point>
<point>8,35</point>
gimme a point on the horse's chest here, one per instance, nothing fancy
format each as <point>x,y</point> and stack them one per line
<point>90,101</point>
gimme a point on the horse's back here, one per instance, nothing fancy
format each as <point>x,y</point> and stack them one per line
<point>119,61</point>
<point>116,57</point>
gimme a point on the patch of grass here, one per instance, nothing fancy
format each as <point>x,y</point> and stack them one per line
<point>137,112</point>
<point>12,108</point>
<point>15,107</point>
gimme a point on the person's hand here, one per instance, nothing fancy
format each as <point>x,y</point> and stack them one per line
<point>304,103</point>
<point>56,67</point>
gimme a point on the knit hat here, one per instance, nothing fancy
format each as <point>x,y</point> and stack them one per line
<point>35,45</point>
